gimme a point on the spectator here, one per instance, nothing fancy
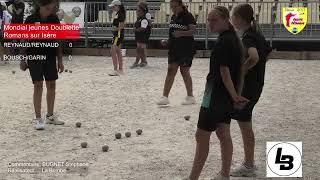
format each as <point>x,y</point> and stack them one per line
<point>5,18</point>
<point>18,11</point>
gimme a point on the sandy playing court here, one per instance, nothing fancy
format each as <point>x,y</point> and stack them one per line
<point>289,110</point>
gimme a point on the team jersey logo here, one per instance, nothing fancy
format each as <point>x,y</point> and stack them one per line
<point>294,18</point>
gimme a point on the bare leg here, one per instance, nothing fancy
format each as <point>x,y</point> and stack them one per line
<point>138,57</point>
<point>143,55</point>
<point>51,94</point>
<point>37,97</point>
<point>120,61</point>
<point>223,134</point>
<point>185,72</point>
<point>172,71</point>
<point>114,57</point>
<point>202,150</point>
<point>248,142</point>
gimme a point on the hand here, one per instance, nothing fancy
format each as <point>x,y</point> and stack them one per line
<point>239,102</point>
<point>60,67</point>
<point>244,69</point>
<point>23,66</point>
<point>164,43</point>
<point>176,34</point>
<point>114,29</point>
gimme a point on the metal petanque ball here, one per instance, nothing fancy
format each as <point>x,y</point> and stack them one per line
<point>118,135</point>
<point>84,144</point>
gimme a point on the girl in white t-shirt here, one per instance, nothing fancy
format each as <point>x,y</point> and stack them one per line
<point>142,33</point>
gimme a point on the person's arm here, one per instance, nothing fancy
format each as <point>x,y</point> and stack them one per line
<point>59,49</point>
<point>224,60</point>
<point>238,100</point>
<point>250,43</point>
<point>23,63</point>
<point>14,9</point>
<point>60,54</point>
<point>227,81</point>
<point>252,60</point>
<point>121,18</point>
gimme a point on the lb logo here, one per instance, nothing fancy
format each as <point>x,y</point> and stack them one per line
<point>284,159</point>
<point>294,19</point>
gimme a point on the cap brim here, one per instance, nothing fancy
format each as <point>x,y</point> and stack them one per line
<point>111,5</point>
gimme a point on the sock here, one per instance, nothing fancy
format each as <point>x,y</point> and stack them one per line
<point>248,167</point>
<point>48,115</point>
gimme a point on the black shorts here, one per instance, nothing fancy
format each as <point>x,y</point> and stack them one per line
<point>253,94</point>
<point>40,70</point>
<point>117,40</point>
<point>215,109</point>
<point>245,114</point>
<point>142,39</point>
<point>210,119</point>
<point>182,61</point>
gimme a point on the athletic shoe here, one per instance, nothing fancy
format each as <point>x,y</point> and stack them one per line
<point>144,64</point>
<point>189,100</point>
<point>134,65</point>
<point>113,73</point>
<point>220,177</point>
<point>243,171</point>
<point>120,72</point>
<point>163,101</point>
<point>39,124</point>
<point>53,120</point>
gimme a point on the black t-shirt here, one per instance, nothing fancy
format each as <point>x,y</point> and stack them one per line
<point>255,76</point>
<point>143,22</point>
<point>116,21</point>
<point>18,18</point>
<point>49,52</point>
<point>225,53</point>
<point>182,46</point>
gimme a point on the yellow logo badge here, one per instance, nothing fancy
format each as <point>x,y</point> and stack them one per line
<point>294,18</point>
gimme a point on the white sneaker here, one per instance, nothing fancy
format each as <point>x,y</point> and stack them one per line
<point>53,120</point>
<point>120,72</point>
<point>243,171</point>
<point>189,100</point>
<point>39,124</point>
<point>113,73</point>
<point>163,101</point>
<point>220,177</point>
